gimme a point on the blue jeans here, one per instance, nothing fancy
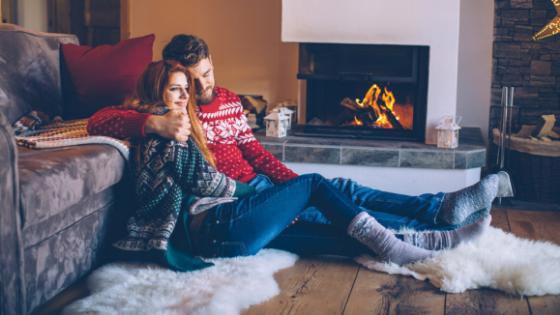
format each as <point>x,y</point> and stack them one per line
<point>393,211</point>
<point>245,226</point>
<point>314,234</point>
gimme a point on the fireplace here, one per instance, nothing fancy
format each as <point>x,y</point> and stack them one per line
<point>364,91</point>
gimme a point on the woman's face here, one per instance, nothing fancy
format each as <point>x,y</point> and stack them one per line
<point>175,94</point>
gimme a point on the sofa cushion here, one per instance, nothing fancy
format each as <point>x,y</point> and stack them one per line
<point>104,75</point>
<point>53,180</point>
<point>29,72</point>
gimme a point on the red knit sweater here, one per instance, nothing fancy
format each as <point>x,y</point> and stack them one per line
<point>238,154</point>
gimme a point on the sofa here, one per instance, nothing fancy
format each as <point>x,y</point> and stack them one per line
<point>60,207</point>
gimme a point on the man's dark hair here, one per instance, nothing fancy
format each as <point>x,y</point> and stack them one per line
<point>187,49</point>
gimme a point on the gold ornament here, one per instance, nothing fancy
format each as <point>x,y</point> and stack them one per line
<point>553,27</point>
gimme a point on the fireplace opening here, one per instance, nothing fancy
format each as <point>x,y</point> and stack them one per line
<point>365,91</point>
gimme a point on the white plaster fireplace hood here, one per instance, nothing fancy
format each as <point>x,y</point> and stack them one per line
<point>434,23</point>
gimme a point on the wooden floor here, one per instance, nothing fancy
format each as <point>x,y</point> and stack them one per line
<point>340,286</point>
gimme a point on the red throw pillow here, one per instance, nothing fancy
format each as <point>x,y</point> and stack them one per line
<point>104,75</point>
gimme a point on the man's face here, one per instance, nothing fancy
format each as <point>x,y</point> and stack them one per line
<point>203,75</point>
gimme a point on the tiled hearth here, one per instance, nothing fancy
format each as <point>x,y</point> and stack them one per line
<point>399,162</point>
<point>470,154</point>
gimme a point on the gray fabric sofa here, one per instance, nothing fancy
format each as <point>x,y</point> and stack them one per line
<point>58,206</point>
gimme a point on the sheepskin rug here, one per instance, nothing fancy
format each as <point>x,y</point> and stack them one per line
<point>228,287</point>
<point>497,260</point>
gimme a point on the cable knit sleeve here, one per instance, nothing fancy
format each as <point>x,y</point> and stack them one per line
<point>261,160</point>
<point>118,123</point>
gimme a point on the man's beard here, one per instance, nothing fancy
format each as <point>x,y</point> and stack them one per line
<point>205,100</point>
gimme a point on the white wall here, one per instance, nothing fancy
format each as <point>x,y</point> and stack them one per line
<point>428,22</point>
<point>475,64</point>
<point>400,180</point>
<point>33,15</point>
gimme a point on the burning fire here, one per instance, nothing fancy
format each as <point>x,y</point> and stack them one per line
<point>358,122</point>
<point>382,110</point>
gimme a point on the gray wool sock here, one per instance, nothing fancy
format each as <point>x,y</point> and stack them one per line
<point>369,232</point>
<point>438,240</point>
<point>457,206</point>
<point>475,216</point>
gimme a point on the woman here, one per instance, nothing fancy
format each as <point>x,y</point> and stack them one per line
<point>187,208</point>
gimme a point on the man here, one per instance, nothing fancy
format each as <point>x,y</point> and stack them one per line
<point>240,156</point>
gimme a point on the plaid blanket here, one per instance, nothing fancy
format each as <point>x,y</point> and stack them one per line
<point>34,131</point>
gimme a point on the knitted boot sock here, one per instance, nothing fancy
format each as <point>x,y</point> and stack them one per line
<point>475,216</point>
<point>457,206</point>
<point>369,232</point>
<point>438,240</point>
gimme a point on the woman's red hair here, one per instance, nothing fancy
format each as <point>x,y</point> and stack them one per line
<point>150,88</point>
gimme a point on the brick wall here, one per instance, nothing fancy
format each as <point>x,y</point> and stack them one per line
<point>533,68</point>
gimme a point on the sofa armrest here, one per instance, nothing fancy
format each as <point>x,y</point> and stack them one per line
<point>12,288</point>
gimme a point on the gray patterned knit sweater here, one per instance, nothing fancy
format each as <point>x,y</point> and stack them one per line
<point>172,178</point>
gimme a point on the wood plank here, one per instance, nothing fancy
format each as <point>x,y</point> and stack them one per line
<point>126,20</point>
<point>538,226</point>
<point>311,286</point>
<point>535,225</point>
<point>380,293</point>
<point>485,301</point>
<point>51,15</point>
<point>545,305</point>
<point>7,11</point>
<point>76,291</point>
<point>499,219</point>
<point>62,21</point>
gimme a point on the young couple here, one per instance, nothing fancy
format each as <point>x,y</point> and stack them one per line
<point>204,183</point>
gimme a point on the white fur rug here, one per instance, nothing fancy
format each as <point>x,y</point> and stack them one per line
<point>497,260</point>
<point>226,288</point>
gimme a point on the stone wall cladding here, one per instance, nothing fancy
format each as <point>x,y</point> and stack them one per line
<point>533,68</point>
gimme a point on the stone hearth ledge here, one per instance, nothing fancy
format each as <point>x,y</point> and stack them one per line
<point>470,154</point>
<point>409,168</point>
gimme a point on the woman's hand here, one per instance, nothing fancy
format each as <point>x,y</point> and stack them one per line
<point>294,221</point>
<point>174,125</point>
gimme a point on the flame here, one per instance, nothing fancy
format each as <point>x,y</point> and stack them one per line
<point>371,99</point>
<point>389,99</point>
<point>358,122</point>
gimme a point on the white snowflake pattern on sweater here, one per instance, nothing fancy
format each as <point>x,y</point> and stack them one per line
<point>228,125</point>
<point>238,153</point>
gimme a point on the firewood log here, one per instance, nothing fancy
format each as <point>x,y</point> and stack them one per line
<point>346,116</point>
<point>350,104</point>
<point>544,126</point>
<point>391,117</point>
<point>366,118</point>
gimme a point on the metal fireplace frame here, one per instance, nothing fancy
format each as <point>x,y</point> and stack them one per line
<point>417,75</point>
